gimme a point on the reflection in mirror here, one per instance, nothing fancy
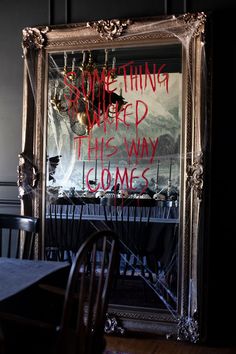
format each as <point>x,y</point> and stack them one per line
<point>113,160</point>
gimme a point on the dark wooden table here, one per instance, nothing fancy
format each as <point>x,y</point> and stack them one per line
<point>17,274</point>
<point>22,296</point>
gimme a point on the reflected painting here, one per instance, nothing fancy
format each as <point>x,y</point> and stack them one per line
<point>113,128</point>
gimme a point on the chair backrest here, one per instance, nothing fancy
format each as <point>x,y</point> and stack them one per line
<point>131,221</point>
<point>13,243</point>
<point>63,226</point>
<point>86,299</point>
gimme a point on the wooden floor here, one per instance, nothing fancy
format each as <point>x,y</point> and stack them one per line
<point>158,346</point>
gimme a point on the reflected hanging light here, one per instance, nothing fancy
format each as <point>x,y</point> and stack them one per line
<point>85,107</point>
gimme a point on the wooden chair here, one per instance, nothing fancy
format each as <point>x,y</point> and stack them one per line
<point>131,222</point>
<point>94,267</point>
<point>81,329</point>
<point>63,229</point>
<point>13,244</point>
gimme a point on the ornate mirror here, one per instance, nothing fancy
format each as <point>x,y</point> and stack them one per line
<point>113,138</point>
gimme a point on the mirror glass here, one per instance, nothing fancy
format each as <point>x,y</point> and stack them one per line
<point>113,151</point>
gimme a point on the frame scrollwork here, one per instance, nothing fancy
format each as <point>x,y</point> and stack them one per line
<point>195,176</point>
<point>109,29</point>
<point>28,175</point>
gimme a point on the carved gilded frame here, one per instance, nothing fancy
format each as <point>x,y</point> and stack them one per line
<point>187,29</point>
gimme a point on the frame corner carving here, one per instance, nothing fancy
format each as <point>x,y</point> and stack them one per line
<point>188,329</point>
<point>34,37</point>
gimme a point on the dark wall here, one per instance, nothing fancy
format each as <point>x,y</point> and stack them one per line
<point>221,256</point>
<point>15,15</point>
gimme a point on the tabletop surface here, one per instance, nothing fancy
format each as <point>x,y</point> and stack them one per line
<point>18,274</point>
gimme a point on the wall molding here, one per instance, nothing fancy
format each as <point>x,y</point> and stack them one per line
<point>9,202</point>
<point>8,184</point>
<point>13,202</point>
